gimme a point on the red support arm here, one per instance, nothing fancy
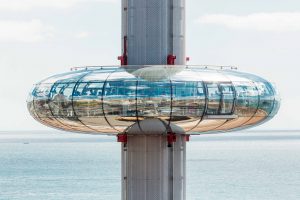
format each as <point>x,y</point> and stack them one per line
<point>187,138</point>
<point>122,138</point>
<point>171,60</point>
<point>123,58</point>
<point>171,138</point>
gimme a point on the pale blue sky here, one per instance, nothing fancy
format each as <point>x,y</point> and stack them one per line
<point>39,38</point>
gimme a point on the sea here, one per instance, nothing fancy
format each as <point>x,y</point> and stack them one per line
<point>52,165</point>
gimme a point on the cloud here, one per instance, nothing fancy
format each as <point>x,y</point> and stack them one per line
<point>278,22</point>
<point>25,5</point>
<point>24,31</point>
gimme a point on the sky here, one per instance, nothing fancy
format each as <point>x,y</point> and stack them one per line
<point>40,38</point>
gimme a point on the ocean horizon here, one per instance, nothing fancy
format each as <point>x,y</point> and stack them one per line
<point>54,165</point>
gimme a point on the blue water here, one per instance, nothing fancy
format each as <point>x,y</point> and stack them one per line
<point>238,166</point>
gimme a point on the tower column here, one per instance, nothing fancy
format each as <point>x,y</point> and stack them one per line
<point>152,30</point>
<point>153,168</point>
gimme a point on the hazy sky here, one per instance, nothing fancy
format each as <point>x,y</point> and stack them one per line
<point>39,38</point>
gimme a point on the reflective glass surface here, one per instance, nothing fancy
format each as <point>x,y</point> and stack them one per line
<point>110,100</point>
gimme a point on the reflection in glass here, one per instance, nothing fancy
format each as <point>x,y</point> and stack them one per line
<point>188,103</point>
<point>214,98</point>
<point>228,97</point>
<point>209,125</point>
<point>87,99</point>
<point>153,100</point>
<point>266,96</point>
<point>247,99</point>
<point>233,123</point>
<point>41,101</point>
<point>119,103</point>
<point>61,105</point>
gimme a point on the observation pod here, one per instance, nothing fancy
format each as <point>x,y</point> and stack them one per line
<point>113,100</point>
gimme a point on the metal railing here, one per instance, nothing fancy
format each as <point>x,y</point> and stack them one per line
<point>216,67</point>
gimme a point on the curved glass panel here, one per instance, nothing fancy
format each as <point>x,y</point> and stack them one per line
<point>247,99</point>
<point>61,106</point>
<point>41,105</point>
<point>276,106</point>
<point>41,100</point>
<point>153,97</point>
<point>209,125</point>
<point>227,98</point>
<point>209,75</point>
<point>72,76</point>
<point>266,98</point>
<point>276,101</point>
<point>88,101</point>
<point>31,109</point>
<point>30,104</point>
<point>266,103</point>
<point>214,98</point>
<point>119,100</point>
<point>233,123</point>
<point>98,75</point>
<point>188,99</point>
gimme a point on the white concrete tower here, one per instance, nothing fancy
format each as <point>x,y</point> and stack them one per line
<point>153,161</point>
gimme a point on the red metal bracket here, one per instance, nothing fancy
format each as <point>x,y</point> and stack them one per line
<point>123,58</point>
<point>171,60</point>
<point>187,138</point>
<point>171,138</point>
<point>122,138</point>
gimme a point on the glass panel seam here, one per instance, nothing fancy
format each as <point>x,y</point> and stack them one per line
<point>205,105</point>
<point>51,111</point>
<point>72,100</point>
<point>257,107</point>
<point>102,101</point>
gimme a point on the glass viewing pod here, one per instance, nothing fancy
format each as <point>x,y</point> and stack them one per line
<point>110,100</point>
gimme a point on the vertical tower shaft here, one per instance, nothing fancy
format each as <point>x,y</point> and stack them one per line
<point>152,30</point>
<point>152,169</point>
<point>153,33</point>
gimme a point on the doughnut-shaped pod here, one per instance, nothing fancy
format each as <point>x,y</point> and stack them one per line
<point>110,100</point>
